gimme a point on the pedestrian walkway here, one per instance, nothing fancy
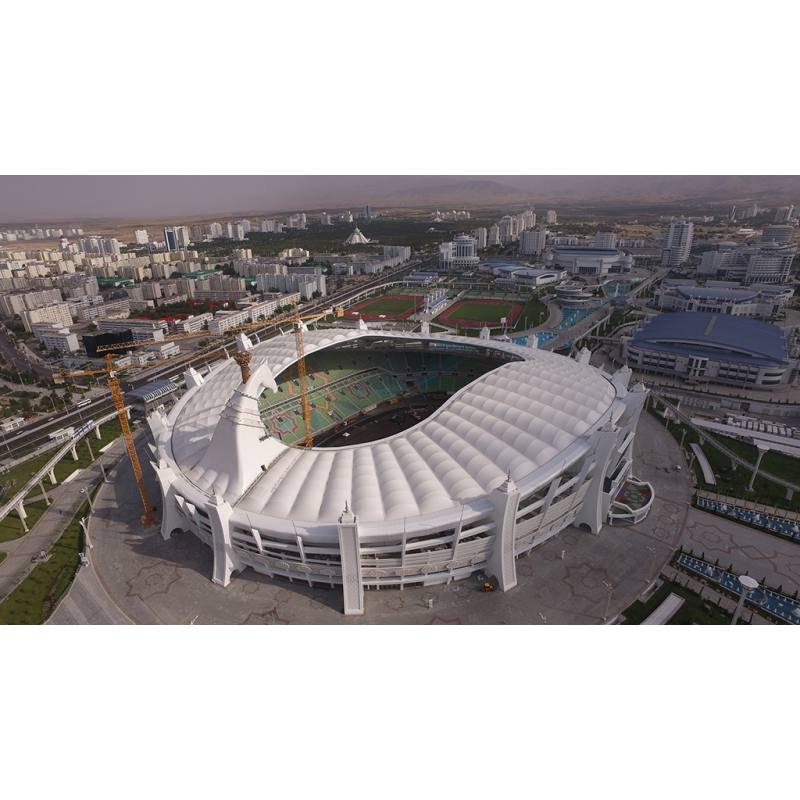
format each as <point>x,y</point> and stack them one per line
<point>65,500</point>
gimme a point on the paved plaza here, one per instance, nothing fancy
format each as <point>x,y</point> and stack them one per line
<point>137,577</point>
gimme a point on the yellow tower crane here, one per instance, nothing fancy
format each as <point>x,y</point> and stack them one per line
<point>242,359</point>
<point>110,371</point>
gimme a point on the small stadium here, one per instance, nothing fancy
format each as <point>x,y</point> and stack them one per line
<point>392,307</point>
<point>479,312</point>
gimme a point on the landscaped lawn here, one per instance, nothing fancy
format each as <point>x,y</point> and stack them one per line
<point>535,312</point>
<point>734,482</point>
<point>32,602</point>
<point>22,472</point>
<point>482,312</point>
<point>694,611</point>
<point>11,526</point>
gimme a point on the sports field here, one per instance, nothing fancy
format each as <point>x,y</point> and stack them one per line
<point>390,306</point>
<point>477,313</point>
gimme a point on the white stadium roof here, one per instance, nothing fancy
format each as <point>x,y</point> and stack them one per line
<point>514,419</point>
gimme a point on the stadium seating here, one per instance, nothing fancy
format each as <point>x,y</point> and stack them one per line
<point>779,605</point>
<point>344,383</point>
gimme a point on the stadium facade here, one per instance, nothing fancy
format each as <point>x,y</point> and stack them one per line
<point>523,444</point>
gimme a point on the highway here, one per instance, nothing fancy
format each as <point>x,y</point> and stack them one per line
<point>35,432</point>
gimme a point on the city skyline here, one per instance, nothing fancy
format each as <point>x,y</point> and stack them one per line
<point>106,197</point>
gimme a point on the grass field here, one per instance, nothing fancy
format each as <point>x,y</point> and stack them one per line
<point>11,525</point>
<point>694,611</point>
<point>734,482</point>
<point>474,314</point>
<point>32,602</point>
<point>483,312</point>
<point>390,306</point>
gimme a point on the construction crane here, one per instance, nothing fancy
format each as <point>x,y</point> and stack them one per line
<point>110,371</point>
<point>242,358</point>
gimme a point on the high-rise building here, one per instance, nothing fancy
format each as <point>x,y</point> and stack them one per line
<point>325,218</point>
<point>245,223</point>
<point>214,230</point>
<point>759,262</point>
<point>177,237</point>
<point>480,236</point>
<point>141,236</point>
<point>677,243</point>
<point>606,240</point>
<point>493,236</point>
<point>461,253</point>
<point>784,214</point>
<point>551,217</point>
<point>732,214</point>
<point>507,228</point>
<point>532,243</point>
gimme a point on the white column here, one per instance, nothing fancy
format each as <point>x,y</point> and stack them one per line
<point>170,516</point>
<point>52,475</point>
<point>761,450</point>
<point>97,432</point>
<point>505,499</point>
<point>22,515</point>
<point>350,554</point>
<point>225,559</point>
<point>592,509</point>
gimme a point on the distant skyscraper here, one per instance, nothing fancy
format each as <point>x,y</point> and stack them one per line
<point>605,239</point>
<point>480,235</point>
<point>493,236</point>
<point>732,214</point>
<point>784,214</point>
<point>141,236</point>
<point>532,243</point>
<point>677,243</point>
<point>170,239</point>
<point>551,218</point>
<point>367,214</point>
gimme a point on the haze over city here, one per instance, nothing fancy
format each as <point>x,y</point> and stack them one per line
<point>42,198</point>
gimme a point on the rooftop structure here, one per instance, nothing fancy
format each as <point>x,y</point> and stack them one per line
<point>356,237</point>
<point>711,347</point>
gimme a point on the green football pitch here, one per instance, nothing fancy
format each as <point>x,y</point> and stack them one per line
<point>481,312</point>
<point>389,305</point>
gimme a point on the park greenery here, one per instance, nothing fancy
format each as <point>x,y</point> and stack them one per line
<point>32,602</point>
<point>733,480</point>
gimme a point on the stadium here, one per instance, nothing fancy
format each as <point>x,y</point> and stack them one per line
<point>435,457</point>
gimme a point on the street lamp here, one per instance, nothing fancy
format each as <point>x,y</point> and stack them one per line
<point>748,585</point>
<point>89,498</point>
<point>610,587</point>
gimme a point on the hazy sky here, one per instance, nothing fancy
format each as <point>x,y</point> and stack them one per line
<point>64,198</point>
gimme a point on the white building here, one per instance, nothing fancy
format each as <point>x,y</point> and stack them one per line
<point>480,235</point>
<point>56,314</point>
<point>590,261</point>
<point>677,243</point>
<point>606,240</point>
<point>56,337</point>
<point>460,254</point>
<point>253,312</point>
<point>764,301</point>
<point>399,251</point>
<point>778,234</point>
<point>141,236</point>
<point>194,323</point>
<point>551,217</point>
<point>356,237</point>
<point>532,243</point>
<point>751,263</point>
<point>493,236</point>
<point>306,284</point>
<point>536,443</point>
<point>784,214</point>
